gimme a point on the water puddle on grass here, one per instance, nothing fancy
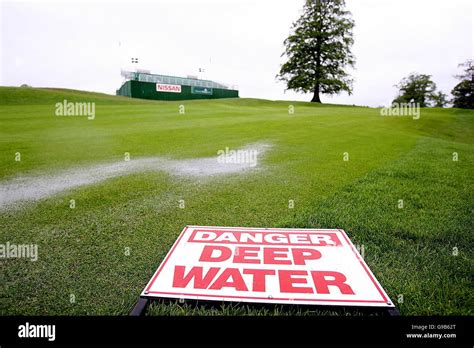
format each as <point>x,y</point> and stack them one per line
<point>35,188</point>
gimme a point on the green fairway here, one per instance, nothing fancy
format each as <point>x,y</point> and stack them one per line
<point>102,253</point>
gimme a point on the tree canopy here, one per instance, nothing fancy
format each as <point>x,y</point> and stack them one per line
<point>420,89</point>
<point>463,92</point>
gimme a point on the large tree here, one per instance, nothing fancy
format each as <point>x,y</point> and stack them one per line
<point>319,50</point>
<point>463,92</point>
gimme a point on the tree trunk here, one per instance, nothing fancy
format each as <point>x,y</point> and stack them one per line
<point>316,98</point>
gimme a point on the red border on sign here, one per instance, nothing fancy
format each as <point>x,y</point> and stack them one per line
<point>166,259</point>
<point>357,255</point>
<point>364,266</point>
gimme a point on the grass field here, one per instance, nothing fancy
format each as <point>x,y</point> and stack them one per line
<point>412,251</point>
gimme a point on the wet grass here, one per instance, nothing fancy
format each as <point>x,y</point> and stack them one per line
<point>103,252</point>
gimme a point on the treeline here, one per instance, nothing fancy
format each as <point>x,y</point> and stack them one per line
<point>420,89</point>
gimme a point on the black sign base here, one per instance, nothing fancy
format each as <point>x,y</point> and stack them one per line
<point>143,302</point>
<point>140,307</point>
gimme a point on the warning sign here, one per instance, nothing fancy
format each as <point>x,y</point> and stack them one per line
<point>300,266</point>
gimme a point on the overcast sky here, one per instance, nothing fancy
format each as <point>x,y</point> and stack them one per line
<point>84,45</point>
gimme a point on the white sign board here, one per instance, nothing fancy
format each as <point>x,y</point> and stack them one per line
<point>296,266</point>
<point>160,87</point>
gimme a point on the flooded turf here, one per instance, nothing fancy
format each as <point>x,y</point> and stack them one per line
<point>38,187</point>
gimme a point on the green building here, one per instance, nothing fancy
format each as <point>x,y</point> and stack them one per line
<point>161,87</point>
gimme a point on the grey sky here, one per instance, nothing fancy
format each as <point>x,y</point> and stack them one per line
<point>83,45</point>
